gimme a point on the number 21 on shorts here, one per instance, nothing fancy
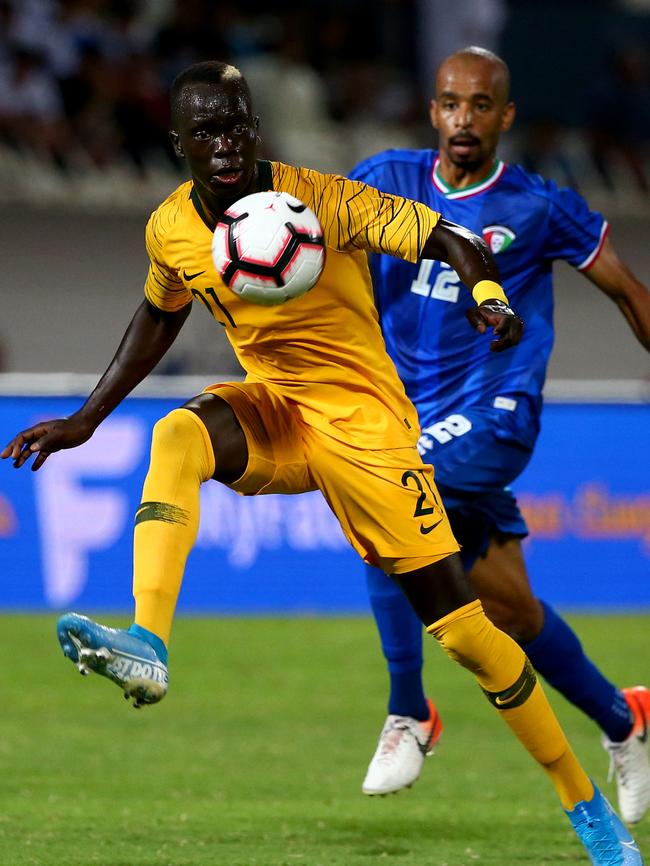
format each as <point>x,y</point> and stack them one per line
<point>432,514</point>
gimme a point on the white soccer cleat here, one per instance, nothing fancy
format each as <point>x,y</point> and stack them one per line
<point>403,745</point>
<point>629,759</point>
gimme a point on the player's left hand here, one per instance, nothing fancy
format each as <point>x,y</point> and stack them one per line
<point>505,323</point>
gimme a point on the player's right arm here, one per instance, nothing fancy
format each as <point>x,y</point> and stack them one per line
<point>612,276</point>
<point>149,335</point>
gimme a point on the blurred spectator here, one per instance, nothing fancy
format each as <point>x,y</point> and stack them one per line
<point>142,113</point>
<point>184,38</point>
<point>58,30</point>
<point>290,97</point>
<point>31,111</point>
<point>445,27</point>
<point>89,97</point>
<point>544,151</point>
<point>83,83</point>
<point>620,134</point>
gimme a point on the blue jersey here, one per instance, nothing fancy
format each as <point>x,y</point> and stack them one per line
<point>528,223</point>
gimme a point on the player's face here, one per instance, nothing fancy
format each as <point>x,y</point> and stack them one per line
<point>217,134</point>
<point>470,111</point>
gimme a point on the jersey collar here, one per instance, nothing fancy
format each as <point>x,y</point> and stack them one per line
<point>473,189</point>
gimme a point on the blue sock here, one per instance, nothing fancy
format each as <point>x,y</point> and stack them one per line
<point>152,639</point>
<point>557,654</point>
<point>400,632</point>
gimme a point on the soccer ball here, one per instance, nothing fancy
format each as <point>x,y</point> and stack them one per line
<point>268,248</point>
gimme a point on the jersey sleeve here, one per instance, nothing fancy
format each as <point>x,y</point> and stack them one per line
<point>575,233</point>
<point>163,287</point>
<point>357,216</point>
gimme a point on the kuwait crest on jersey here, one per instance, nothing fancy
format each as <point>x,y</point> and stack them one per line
<point>498,238</point>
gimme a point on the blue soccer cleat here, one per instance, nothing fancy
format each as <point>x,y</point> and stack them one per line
<point>131,662</point>
<point>607,840</point>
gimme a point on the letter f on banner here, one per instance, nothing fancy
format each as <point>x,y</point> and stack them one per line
<point>75,520</point>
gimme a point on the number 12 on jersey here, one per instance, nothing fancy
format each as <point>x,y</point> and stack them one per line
<point>445,287</point>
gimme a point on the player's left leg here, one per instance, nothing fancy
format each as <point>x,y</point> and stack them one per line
<point>440,595</point>
<point>390,511</point>
<point>477,461</point>
<point>501,581</point>
<point>443,599</point>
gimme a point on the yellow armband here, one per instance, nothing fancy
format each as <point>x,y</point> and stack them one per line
<point>485,289</point>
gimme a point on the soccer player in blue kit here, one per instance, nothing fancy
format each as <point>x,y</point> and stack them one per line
<point>479,410</point>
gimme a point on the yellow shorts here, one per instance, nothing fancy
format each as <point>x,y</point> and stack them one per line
<point>386,501</point>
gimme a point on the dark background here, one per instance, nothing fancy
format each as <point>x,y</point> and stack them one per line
<point>85,156</point>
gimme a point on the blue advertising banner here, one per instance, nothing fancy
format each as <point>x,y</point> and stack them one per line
<point>65,531</point>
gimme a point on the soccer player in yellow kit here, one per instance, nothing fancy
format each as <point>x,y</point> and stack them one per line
<point>321,407</point>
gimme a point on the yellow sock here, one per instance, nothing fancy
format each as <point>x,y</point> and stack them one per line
<point>167,521</point>
<point>509,681</point>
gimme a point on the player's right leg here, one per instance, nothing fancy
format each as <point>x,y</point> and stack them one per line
<point>186,445</point>
<point>202,440</point>
<point>134,660</point>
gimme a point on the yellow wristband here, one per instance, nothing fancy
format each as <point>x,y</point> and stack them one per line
<point>485,289</point>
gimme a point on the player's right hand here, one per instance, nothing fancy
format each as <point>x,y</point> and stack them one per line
<point>45,438</point>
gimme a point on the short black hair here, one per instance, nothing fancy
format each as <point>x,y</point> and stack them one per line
<point>206,72</point>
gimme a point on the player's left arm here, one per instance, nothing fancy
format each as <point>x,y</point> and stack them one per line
<point>612,276</point>
<point>470,257</point>
<point>357,216</point>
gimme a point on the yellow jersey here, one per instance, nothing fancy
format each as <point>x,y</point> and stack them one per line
<point>323,351</point>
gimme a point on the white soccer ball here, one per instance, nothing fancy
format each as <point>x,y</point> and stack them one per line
<point>268,248</point>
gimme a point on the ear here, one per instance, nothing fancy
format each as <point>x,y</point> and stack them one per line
<point>508,116</point>
<point>433,113</point>
<point>176,143</point>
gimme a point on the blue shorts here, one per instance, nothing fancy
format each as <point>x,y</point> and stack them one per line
<point>477,452</point>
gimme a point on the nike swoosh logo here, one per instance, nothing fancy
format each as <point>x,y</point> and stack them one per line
<point>504,703</point>
<point>425,530</point>
<point>632,846</point>
<point>77,643</point>
<point>189,277</point>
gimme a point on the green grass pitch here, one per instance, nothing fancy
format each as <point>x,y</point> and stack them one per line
<point>256,756</point>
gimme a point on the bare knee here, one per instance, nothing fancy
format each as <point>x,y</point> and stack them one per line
<point>521,618</point>
<point>437,589</point>
<point>501,581</point>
